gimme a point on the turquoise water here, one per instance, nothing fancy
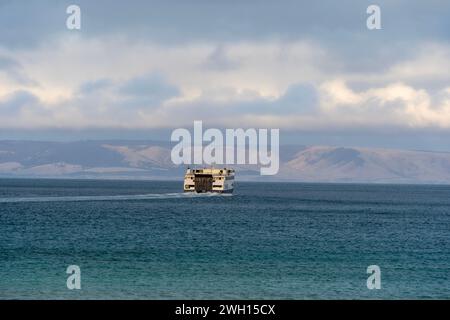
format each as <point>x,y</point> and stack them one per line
<point>146,240</point>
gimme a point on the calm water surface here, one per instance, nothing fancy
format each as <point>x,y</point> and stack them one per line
<point>146,240</point>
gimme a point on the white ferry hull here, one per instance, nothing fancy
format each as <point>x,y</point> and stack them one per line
<point>209,180</point>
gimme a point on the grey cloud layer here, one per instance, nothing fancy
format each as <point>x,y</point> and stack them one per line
<point>26,23</point>
<point>290,64</point>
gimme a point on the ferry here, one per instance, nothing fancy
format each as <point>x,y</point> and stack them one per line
<point>209,180</point>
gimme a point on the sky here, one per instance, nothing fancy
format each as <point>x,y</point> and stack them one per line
<point>139,69</point>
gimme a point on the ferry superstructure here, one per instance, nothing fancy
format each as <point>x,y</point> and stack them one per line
<point>209,180</point>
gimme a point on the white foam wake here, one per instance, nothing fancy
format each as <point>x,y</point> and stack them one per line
<point>152,196</point>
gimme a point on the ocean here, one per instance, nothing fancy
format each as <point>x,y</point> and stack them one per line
<point>147,240</point>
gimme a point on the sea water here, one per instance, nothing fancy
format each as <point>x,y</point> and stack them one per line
<point>147,240</point>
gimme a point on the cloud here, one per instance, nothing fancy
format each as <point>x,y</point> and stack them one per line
<point>395,104</point>
<point>429,65</point>
<point>92,87</point>
<point>277,84</point>
<point>34,22</point>
<point>220,61</point>
<point>148,90</point>
<point>164,64</point>
<point>336,93</point>
<point>14,71</point>
<point>15,103</point>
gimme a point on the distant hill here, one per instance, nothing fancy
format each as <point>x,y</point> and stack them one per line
<point>151,160</point>
<point>331,164</point>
